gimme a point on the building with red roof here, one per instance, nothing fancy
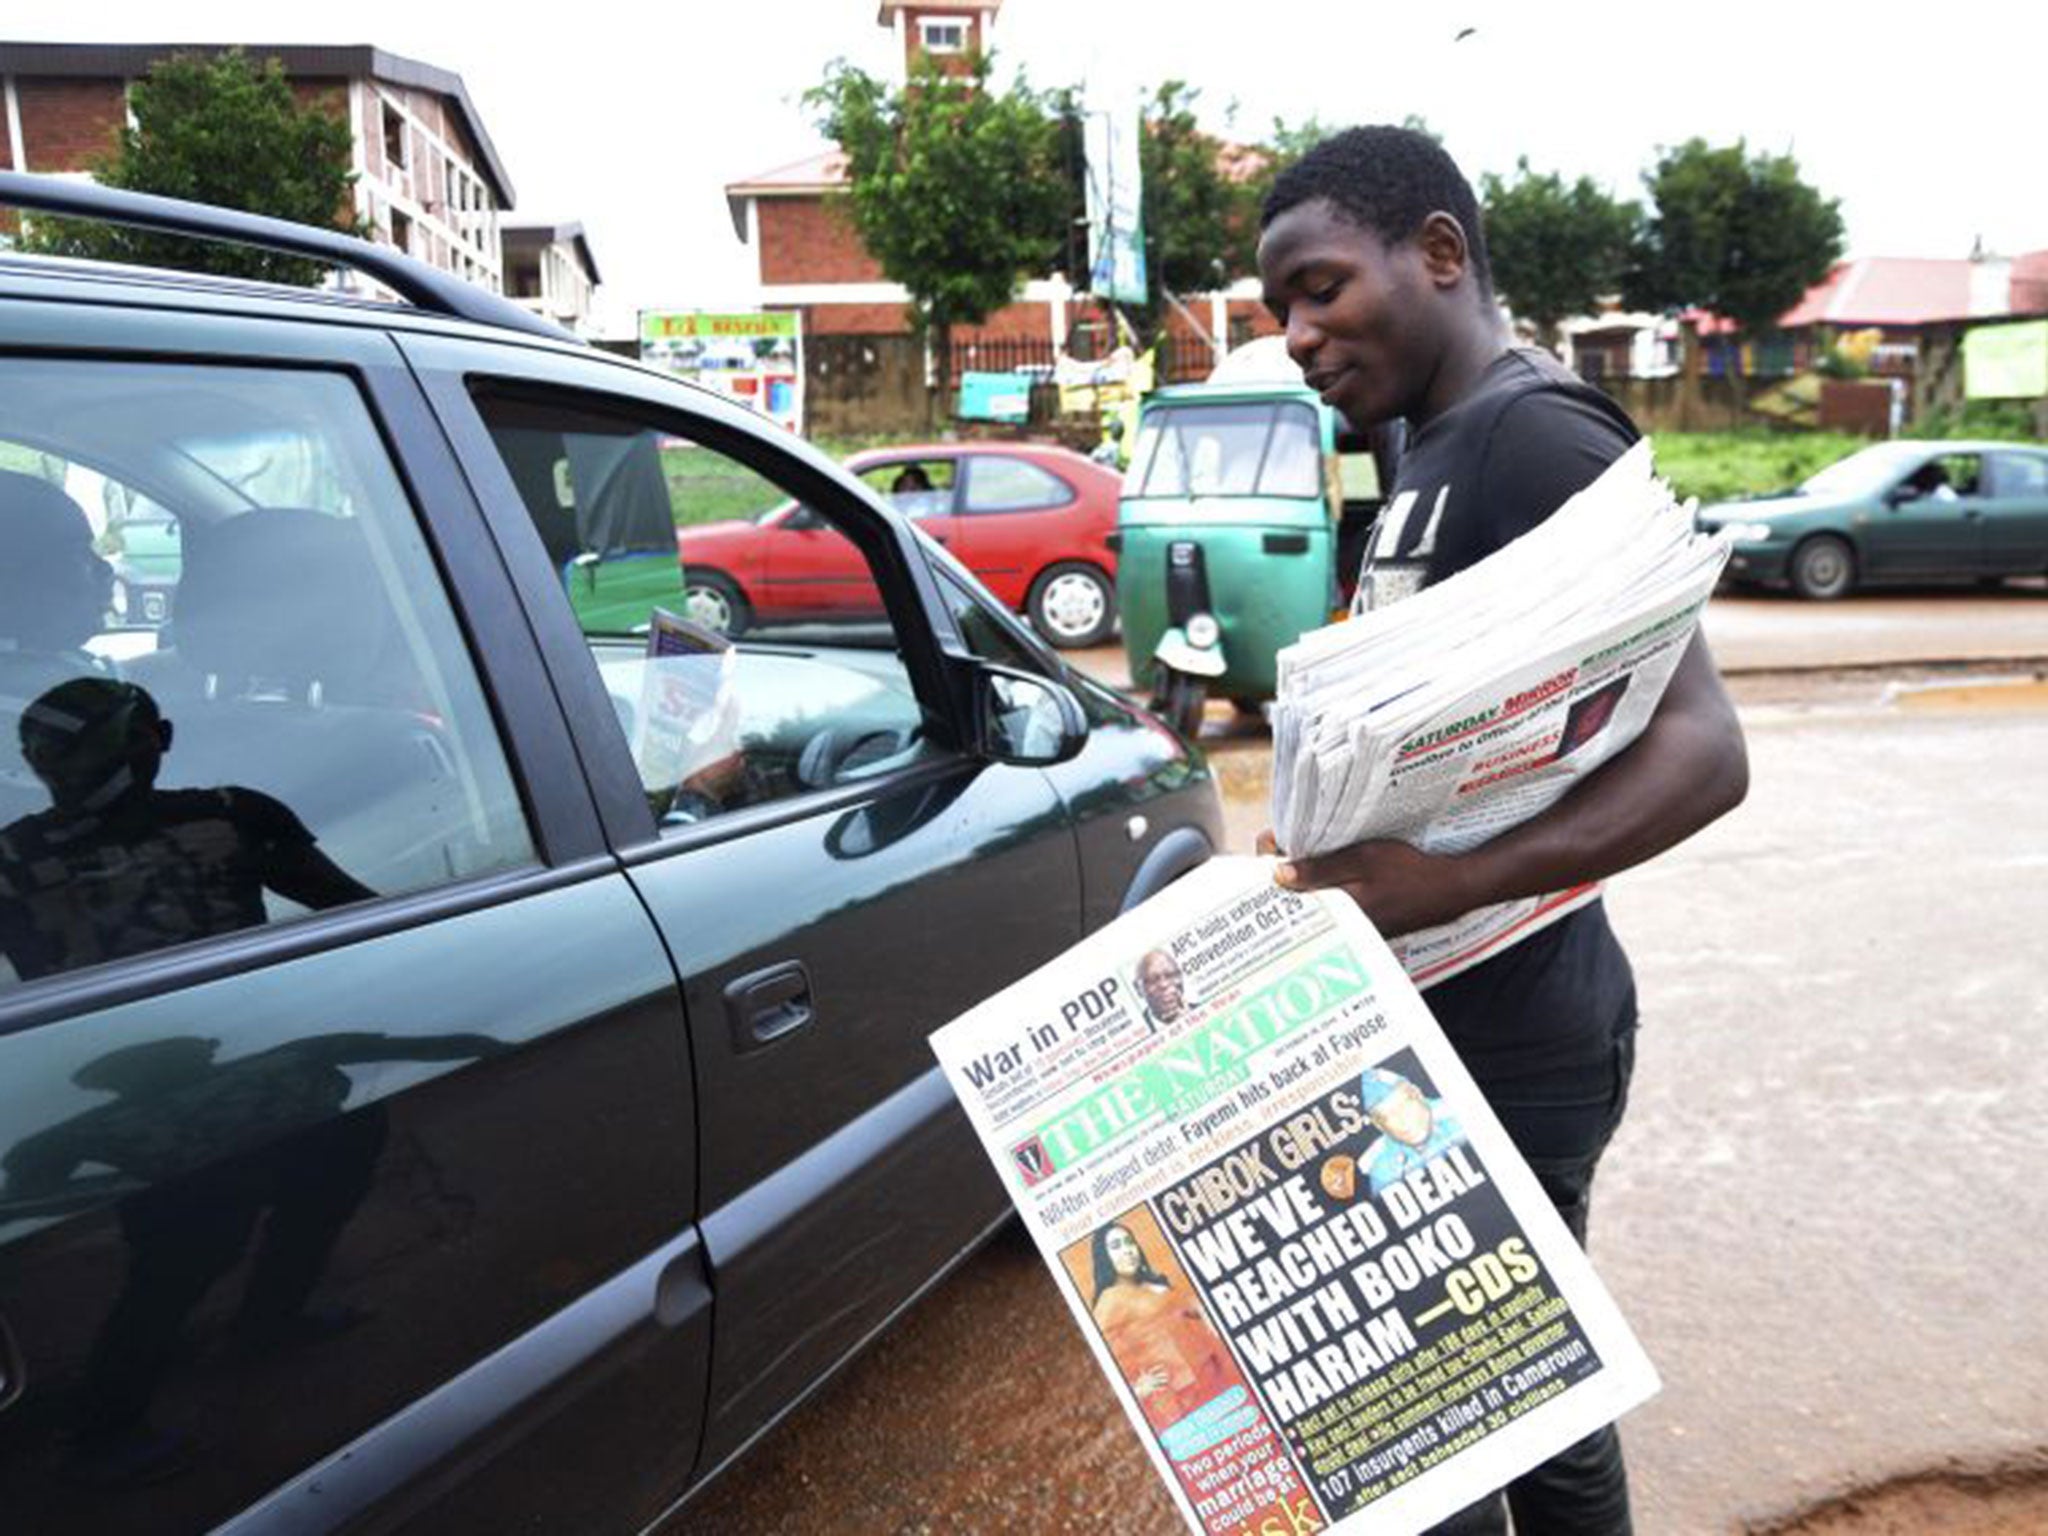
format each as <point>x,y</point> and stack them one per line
<point>810,258</point>
<point>428,178</point>
<point>1902,317</point>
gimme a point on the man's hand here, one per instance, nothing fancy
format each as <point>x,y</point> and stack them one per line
<point>1400,889</point>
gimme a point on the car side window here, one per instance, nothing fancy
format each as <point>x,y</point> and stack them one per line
<point>748,654</point>
<point>1964,472</point>
<point>231,686</point>
<point>999,483</point>
<point>2015,475</point>
<point>986,636</point>
<point>914,487</point>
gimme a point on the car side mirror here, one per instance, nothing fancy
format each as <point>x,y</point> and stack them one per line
<point>803,520</point>
<point>1026,720</point>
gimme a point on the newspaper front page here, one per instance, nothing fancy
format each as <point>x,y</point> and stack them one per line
<point>1325,1288</point>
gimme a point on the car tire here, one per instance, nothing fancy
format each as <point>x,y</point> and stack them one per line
<point>715,602</point>
<point>1823,568</point>
<point>1072,605</point>
<point>1180,700</point>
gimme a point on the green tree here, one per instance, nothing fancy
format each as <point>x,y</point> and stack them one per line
<point>1739,234</point>
<point>955,190</point>
<point>1200,226</point>
<point>225,131</point>
<point>1287,143</point>
<point>1557,250</point>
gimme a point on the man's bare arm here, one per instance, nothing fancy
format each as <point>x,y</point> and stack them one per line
<point>1686,769</point>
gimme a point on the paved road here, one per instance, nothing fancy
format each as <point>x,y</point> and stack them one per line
<point>1767,632</point>
<point>1823,1214</point>
<point>1751,633</point>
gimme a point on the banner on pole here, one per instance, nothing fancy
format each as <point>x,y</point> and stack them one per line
<point>1116,226</point>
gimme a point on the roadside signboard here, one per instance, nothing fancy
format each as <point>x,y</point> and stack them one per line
<point>2006,362</point>
<point>754,357</point>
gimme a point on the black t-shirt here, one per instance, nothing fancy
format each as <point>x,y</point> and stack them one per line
<point>1527,437</point>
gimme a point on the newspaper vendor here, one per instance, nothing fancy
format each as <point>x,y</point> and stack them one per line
<point>1373,258</point>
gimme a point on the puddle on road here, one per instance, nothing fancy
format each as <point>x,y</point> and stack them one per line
<point>1988,694</point>
<point>2009,1503</point>
<point>1976,688</point>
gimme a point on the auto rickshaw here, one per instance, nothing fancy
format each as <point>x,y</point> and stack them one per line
<point>602,504</point>
<point>1244,510</point>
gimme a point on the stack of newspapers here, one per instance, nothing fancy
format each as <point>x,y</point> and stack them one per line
<point>1449,717</point>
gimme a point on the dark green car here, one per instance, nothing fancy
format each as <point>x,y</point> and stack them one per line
<point>463,1057</point>
<point>1894,514</point>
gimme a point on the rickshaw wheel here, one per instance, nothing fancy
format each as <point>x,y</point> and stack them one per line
<point>1180,700</point>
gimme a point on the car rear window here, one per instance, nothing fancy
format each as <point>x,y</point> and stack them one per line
<point>232,687</point>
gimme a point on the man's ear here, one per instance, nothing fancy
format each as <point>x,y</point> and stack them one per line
<point>1445,255</point>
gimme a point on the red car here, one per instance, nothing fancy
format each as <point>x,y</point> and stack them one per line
<point>1031,520</point>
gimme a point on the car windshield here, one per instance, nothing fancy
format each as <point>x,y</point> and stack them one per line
<point>1248,448</point>
<point>1863,474</point>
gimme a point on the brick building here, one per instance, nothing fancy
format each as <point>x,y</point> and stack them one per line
<point>549,269</point>
<point>810,257</point>
<point>429,180</point>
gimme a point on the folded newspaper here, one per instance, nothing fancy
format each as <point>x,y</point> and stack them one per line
<point>1457,713</point>
<point>1326,1290</point>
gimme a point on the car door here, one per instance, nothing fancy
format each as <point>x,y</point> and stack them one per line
<point>347,1150</point>
<point>1144,807</point>
<point>1922,532</point>
<point>835,876</point>
<point>923,487</point>
<point>2016,514</point>
<point>1009,523</point>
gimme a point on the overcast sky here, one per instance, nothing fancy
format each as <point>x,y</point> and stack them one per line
<point>1927,124</point>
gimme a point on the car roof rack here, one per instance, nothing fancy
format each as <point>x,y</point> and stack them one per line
<point>424,287</point>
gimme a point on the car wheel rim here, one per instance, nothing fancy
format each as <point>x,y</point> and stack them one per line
<point>708,607</point>
<point>1825,569</point>
<point>1072,605</point>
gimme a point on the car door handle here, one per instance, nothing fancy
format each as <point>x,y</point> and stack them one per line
<point>764,1006</point>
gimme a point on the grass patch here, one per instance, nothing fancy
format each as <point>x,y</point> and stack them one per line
<point>707,487</point>
<point>31,461</point>
<point>1725,466</point>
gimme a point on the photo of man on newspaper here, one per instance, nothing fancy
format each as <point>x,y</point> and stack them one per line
<point>1413,1127</point>
<point>1588,716</point>
<point>1164,986</point>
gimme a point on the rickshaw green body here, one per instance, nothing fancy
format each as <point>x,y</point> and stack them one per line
<point>1249,472</point>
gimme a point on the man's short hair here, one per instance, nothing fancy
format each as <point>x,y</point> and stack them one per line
<point>1386,180</point>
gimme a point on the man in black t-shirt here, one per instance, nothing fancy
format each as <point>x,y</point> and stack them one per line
<point>1372,257</point>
